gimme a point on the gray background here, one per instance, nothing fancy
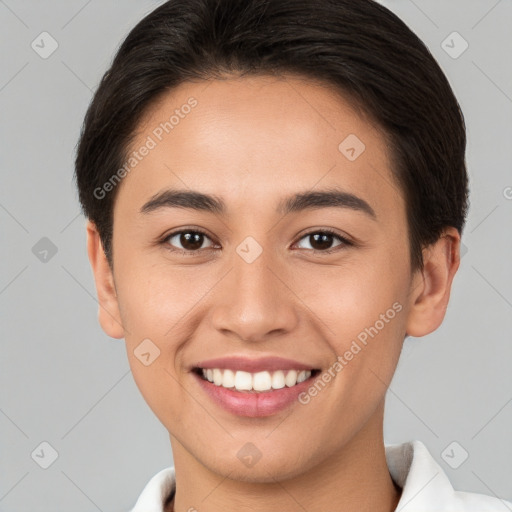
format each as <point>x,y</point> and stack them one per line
<point>63,381</point>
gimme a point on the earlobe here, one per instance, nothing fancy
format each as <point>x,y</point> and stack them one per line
<point>108,314</point>
<point>430,289</point>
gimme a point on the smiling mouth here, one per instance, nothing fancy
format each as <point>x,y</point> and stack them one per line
<point>258,382</point>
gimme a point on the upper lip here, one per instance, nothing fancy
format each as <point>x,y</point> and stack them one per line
<point>254,365</point>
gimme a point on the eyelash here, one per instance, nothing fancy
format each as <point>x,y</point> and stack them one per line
<point>344,241</point>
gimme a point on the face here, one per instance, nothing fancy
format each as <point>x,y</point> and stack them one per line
<point>293,254</point>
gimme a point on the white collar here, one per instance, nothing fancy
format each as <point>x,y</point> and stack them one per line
<point>425,486</point>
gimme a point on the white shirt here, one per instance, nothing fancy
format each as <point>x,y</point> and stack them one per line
<point>425,486</point>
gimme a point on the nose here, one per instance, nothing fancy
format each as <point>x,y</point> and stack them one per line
<point>255,302</point>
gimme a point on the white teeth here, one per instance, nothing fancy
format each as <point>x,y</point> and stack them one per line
<point>228,380</point>
<point>278,380</point>
<point>260,381</point>
<point>291,378</point>
<point>243,381</point>
<point>303,375</point>
<point>217,377</point>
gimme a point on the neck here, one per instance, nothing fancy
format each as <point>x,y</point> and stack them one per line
<point>355,478</point>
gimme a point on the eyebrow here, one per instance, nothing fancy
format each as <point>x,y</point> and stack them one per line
<point>330,198</point>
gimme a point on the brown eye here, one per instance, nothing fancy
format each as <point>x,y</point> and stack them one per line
<point>323,241</point>
<point>187,240</point>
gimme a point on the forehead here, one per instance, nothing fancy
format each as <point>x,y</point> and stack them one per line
<point>256,139</point>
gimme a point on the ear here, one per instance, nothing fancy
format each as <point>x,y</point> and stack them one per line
<point>430,288</point>
<point>108,314</point>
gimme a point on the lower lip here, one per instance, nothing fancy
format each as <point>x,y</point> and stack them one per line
<point>253,405</point>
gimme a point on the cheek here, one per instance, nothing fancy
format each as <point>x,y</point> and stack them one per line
<point>155,300</point>
<point>352,296</point>
<point>361,311</point>
<point>154,303</point>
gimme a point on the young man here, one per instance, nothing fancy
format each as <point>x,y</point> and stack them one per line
<point>276,191</point>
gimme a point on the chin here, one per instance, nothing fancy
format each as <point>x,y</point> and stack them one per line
<point>276,468</point>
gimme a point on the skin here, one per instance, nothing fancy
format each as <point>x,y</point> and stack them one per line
<point>253,142</point>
